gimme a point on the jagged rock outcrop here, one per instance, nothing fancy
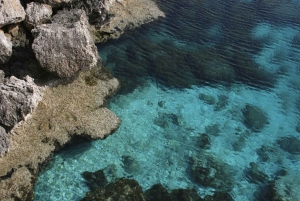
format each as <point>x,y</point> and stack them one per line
<point>56,3</point>
<point>4,142</point>
<point>17,35</point>
<point>65,46</point>
<point>11,11</point>
<point>126,15</point>
<point>67,110</point>
<point>17,99</point>
<point>5,48</point>
<point>95,10</point>
<point>37,13</point>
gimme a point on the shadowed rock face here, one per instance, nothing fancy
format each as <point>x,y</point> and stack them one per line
<point>65,46</point>
<point>11,11</point>
<point>5,48</point>
<point>4,142</point>
<point>37,14</point>
<point>17,99</point>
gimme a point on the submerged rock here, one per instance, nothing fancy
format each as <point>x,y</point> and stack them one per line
<point>212,172</point>
<point>65,46</point>
<point>5,48</point>
<point>290,144</point>
<point>37,13</point>
<point>122,189</point>
<point>158,192</point>
<point>11,11</point>
<point>255,175</point>
<point>254,118</point>
<point>95,180</point>
<point>4,142</point>
<point>17,99</point>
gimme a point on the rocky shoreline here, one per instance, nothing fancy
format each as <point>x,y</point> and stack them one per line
<point>53,85</point>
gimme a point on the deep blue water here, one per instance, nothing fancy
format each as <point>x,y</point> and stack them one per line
<point>214,86</point>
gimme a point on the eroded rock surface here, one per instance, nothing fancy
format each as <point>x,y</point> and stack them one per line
<point>65,46</point>
<point>4,142</point>
<point>17,99</point>
<point>37,13</point>
<point>56,3</point>
<point>127,14</point>
<point>5,48</point>
<point>66,110</point>
<point>11,11</point>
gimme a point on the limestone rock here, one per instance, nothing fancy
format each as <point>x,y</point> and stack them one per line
<point>17,99</point>
<point>4,142</point>
<point>5,48</point>
<point>127,14</point>
<point>95,10</point>
<point>18,186</point>
<point>11,11</point>
<point>37,13</point>
<point>65,46</point>
<point>17,34</point>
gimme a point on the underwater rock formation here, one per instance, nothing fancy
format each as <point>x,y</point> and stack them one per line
<point>254,118</point>
<point>290,144</point>
<point>65,46</point>
<point>37,13</point>
<point>5,48</point>
<point>212,172</point>
<point>122,189</point>
<point>11,12</point>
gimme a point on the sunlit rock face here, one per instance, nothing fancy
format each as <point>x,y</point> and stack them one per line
<point>5,48</point>
<point>11,12</point>
<point>37,13</point>
<point>66,46</point>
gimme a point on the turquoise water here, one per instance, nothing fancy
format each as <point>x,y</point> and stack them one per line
<point>215,81</point>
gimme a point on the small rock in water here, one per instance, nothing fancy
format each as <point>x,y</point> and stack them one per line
<point>254,118</point>
<point>208,99</point>
<point>290,144</point>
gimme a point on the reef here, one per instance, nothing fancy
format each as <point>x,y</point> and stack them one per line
<point>53,85</point>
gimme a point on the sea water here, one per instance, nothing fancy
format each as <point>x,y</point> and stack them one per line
<point>189,77</point>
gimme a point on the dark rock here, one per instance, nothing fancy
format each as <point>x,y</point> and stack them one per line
<point>17,99</point>
<point>203,141</point>
<point>213,129</point>
<point>166,120</point>
<point>5,48</point>
<point>11,12</point>
<point>122,189</point>
<point>130,165</point>
<point>208,99</point>
<point>4,142</point>
<point>254,118</point>
<point>211,172</point>
<point>290,144</point>
<point>37,13</point>
<point>219,196</point>
<point>158,193</point>
<point>265,153</point>
<point>56,3</point>
<point>95,180</point>
<point>2,75</point>
<point>254,175</point>
<point>18,35</point>
<point>65,46</point>
<point>221,103</point>
<point>94,9</point>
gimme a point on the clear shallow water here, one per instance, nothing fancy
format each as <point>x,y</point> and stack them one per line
<point>187,84</point>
